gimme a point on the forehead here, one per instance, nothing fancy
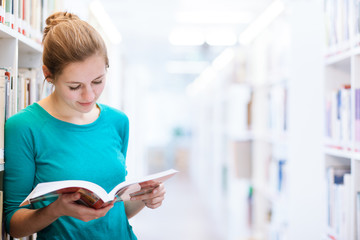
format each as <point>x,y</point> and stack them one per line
<point>87,70</point>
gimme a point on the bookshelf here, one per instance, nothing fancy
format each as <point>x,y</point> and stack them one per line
<point>222,142</point>
<point>242,111</point>
<point>286,132</point>
<point>268,69</point>
<point>341,144</point>
<point>21,54</point>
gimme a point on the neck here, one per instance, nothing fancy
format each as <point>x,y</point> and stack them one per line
<point>63,112</point>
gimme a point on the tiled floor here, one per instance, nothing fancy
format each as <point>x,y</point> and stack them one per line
<point>181,217</point>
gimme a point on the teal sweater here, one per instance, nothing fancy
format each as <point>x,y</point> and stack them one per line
<point>40,148</point>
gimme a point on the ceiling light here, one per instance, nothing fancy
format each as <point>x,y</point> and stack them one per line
<point>221,37</point>
<point>98,11</point>
<point>264,20</point>
<point>223,59</point>
<point>214,17</point>
<point>186,37</point>
<point>186,67</point>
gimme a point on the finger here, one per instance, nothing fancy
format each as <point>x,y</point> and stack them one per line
<point>154,201</point>
<point>149,184</point>
<point>153,206</point>
<point>153,194</point>
<point>70,197</point>
<point>101,212</point>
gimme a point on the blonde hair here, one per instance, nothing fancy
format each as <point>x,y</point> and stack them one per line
<point>69,39</point>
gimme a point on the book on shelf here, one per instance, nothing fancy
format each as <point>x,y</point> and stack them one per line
<point>356,19</point>
<point>2,12</point>
<point>93,195</point>
<point>9,17</point>
<point>278,108</point>
<point>357,226</point>
<point>3,84</point>
<point>338,115</point>
<point>2,231</point>
<point>339,201</point>
<point>29,87</point>
<point>337,19</point>
<point>357,115</point>
<point>27,16</point>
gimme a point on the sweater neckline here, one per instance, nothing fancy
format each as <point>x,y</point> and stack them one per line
<point>68,124</point>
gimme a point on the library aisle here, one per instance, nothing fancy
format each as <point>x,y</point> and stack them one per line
<point>182,215</point>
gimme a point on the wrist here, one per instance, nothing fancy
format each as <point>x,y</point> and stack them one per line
<point>52,211</point>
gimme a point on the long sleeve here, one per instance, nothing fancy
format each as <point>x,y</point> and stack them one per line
<point>19,165</point>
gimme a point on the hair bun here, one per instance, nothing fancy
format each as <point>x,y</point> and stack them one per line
<point>57,18</point>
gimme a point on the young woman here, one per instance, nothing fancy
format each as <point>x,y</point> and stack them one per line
<point>69,136</point>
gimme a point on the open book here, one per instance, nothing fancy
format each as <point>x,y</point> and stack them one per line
<point>92,195</point>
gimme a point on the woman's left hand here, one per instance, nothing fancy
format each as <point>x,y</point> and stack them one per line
<point>152,195</point>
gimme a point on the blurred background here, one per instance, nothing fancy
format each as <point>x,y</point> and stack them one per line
<point>231,93</point>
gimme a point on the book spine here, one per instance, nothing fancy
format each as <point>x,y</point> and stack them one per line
<point>337,15</point>
<point>3,79</point>
<point>339,202</point>
<point>2,11</point>
<point>338,123</point>
<point>8,13</point>
<point>357,115</point>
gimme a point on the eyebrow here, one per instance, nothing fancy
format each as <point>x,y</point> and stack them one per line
<point>91,80</point>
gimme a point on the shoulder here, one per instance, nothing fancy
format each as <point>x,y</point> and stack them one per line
<point>27,118</point>
<point>113,113</point>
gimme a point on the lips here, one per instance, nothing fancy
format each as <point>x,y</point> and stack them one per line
<point>86,104</point>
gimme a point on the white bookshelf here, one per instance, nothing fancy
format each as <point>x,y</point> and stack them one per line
<point>341,147</point>
<point>268,73</point>
<point>20,52</point>
<point>222,143</point>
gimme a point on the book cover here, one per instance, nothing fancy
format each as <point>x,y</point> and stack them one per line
<point>358,215</point>
<point>92,195</point>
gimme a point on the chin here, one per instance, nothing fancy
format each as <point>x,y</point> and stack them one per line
<point>85,108</point>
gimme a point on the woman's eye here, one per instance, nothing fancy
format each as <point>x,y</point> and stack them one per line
<point>75,88</point>
<point>97,82</point>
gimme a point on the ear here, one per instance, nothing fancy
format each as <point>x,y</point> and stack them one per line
<point>47,73</point>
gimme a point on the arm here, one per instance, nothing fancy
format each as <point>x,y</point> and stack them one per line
<point>19,175</point>
<point>133,207</point>
<point>25,222</point>
<point>151,200</point>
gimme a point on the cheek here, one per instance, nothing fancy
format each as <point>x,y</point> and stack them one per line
<point>99,89</point>
<point>70,95</point>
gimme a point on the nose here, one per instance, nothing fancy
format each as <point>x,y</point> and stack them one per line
<point>88,94</point>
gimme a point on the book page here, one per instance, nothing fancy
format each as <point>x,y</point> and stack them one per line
<point>55,188</point>
<point>134,185</point>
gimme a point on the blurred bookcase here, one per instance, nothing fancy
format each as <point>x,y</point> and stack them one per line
<point>21,24</point>
<point>241,144</point>
<point>342,109</point>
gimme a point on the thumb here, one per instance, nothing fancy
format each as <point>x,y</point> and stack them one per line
<point>75,196</point>
<point>72,196</point>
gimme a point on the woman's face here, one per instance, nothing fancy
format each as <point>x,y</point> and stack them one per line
<point>81,83</point>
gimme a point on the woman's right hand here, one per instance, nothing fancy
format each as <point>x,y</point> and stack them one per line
<point>66,205</point>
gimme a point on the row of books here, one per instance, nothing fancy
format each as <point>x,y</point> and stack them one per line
<point>16,93</point>
<point>337,19</point>
<point>356,20</point>
<point>27,16</point>
<point>339,202</point>
<point>357,215</point>
<point>357,115</point>
<point>278,227</point>
<point>338,115</point>
<point>277,109</point>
